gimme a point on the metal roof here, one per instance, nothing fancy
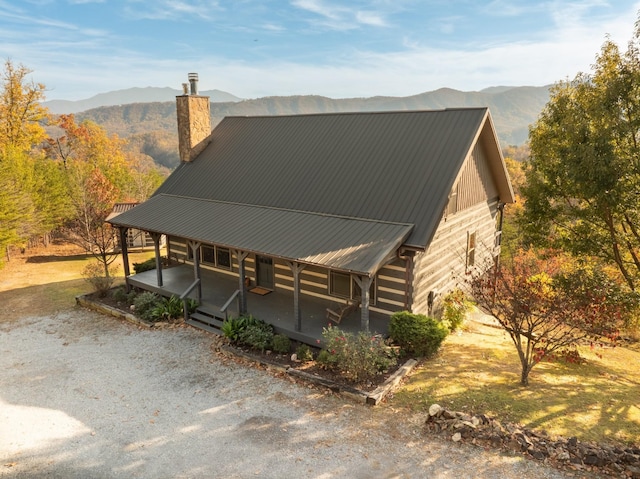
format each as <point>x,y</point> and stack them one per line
<point>387,166</point>
<point>348,244</point>
<point>120,208</point>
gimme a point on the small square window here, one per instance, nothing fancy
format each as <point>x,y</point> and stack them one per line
<point>340,284</point>
<point>223,258</point>
<point>207,254</point>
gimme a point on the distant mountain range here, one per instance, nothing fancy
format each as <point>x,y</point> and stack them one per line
<point>130,95</point>
<point>141,110</point>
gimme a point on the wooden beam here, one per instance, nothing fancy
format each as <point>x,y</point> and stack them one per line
<point>195,250</point>
<point>156,245</point>
<point>364,282</point>
<point>242,286</point>
<point>125,255</point>
<point>296,269</point>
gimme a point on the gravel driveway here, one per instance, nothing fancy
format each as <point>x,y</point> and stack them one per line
<point>87,396</point>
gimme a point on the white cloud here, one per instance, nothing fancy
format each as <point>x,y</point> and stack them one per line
<point>371,18</point>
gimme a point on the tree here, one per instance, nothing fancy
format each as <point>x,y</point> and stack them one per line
<point>93,200</point>
<point>21,114</point>
<point>548,305</point>
<point>583,177</point>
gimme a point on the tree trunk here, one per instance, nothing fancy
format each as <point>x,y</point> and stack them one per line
<point>524,376</point>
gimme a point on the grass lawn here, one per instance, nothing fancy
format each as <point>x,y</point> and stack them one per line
<point>46,280</point>
<point>477,370</point>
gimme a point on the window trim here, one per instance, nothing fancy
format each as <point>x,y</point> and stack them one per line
<point>471,249</point>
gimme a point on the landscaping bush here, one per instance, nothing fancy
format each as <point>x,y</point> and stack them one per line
<point>167,309</point>
<point>120,295</point>
<point>357,357</point>
<point>281,344</point>
<point>258,335</point>
<point>144,305</point>
<point>93,273</point>
<point>231,328</point>
<point>417,334</point>
<point>304,353</point>
<point>456,307</point>
<point>147,265</point>
<point>249,331</point>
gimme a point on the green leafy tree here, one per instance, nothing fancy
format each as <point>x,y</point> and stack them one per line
<point>583,177</point>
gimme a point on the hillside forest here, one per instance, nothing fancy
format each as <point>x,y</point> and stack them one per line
<point>570,264</point>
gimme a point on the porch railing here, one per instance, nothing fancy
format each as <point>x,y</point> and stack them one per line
<point>228,303</point>
<point>185,301</point>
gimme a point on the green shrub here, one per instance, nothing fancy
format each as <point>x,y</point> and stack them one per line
<point>456,307</point>
<point>326,360</point>
<point>417,334</point>
<point>120,295</point>
<point>304,353</point>
<point>147,265</point>
<point>281,344</point>
<point>144,305</point>
<point>357,357</point>
<point>192,305</point>
<point>249,331</point>
<point>167,309</point>
<point>257,336</point>
<point>231,329</point>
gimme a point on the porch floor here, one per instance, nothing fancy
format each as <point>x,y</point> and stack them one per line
<point>276,308</point>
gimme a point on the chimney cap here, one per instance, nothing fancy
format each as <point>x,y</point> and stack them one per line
<point>193,76</point>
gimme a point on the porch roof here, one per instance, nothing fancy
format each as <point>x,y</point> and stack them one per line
<point>355,245</point>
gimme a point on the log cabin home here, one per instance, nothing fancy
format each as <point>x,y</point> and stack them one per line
<point>290,217</point>
<point>135,238</point>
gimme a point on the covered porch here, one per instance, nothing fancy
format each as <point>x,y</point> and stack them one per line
<point>276,307</point>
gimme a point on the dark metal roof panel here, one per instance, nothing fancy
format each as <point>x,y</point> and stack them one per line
<point>388,166</point>
<point>347,244</point>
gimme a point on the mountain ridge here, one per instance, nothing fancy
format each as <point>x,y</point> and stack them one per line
<point>513,109</point>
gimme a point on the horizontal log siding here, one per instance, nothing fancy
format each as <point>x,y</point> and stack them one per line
<point>442,266</point>
<point>314,280</point>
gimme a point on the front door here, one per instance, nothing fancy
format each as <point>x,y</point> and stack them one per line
<point>264,273</point>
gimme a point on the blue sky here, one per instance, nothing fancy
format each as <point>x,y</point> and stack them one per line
<point>335,48</point>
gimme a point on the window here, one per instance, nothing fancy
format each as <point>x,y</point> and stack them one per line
<point>471,249</point>
<point>452,206</point>
<point>340,284</point>
<point>223,258</point>
<point>207,254</point>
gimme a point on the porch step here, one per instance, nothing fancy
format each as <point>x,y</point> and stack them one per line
<point>204,326</point>
<point>206,322</point>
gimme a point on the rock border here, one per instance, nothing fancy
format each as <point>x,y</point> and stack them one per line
<point>371,398</point>
<point>563,453</point>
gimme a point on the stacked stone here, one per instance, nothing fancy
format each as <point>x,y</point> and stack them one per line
<point>572,453</point>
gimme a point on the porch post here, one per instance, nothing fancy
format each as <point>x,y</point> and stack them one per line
<point>195,249</point>
<point>365,283</point>
<point>156,245</point>
<point>242,306</point>
<point>125,255</point>
<point>296,269</point>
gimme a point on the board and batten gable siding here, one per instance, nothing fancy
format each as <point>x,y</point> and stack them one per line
<point>390,281</point>
<point>442,267</point>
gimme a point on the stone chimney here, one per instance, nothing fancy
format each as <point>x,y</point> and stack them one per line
<point>194,120</point>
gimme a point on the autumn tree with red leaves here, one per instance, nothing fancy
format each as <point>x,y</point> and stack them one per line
<point>547,304</point>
